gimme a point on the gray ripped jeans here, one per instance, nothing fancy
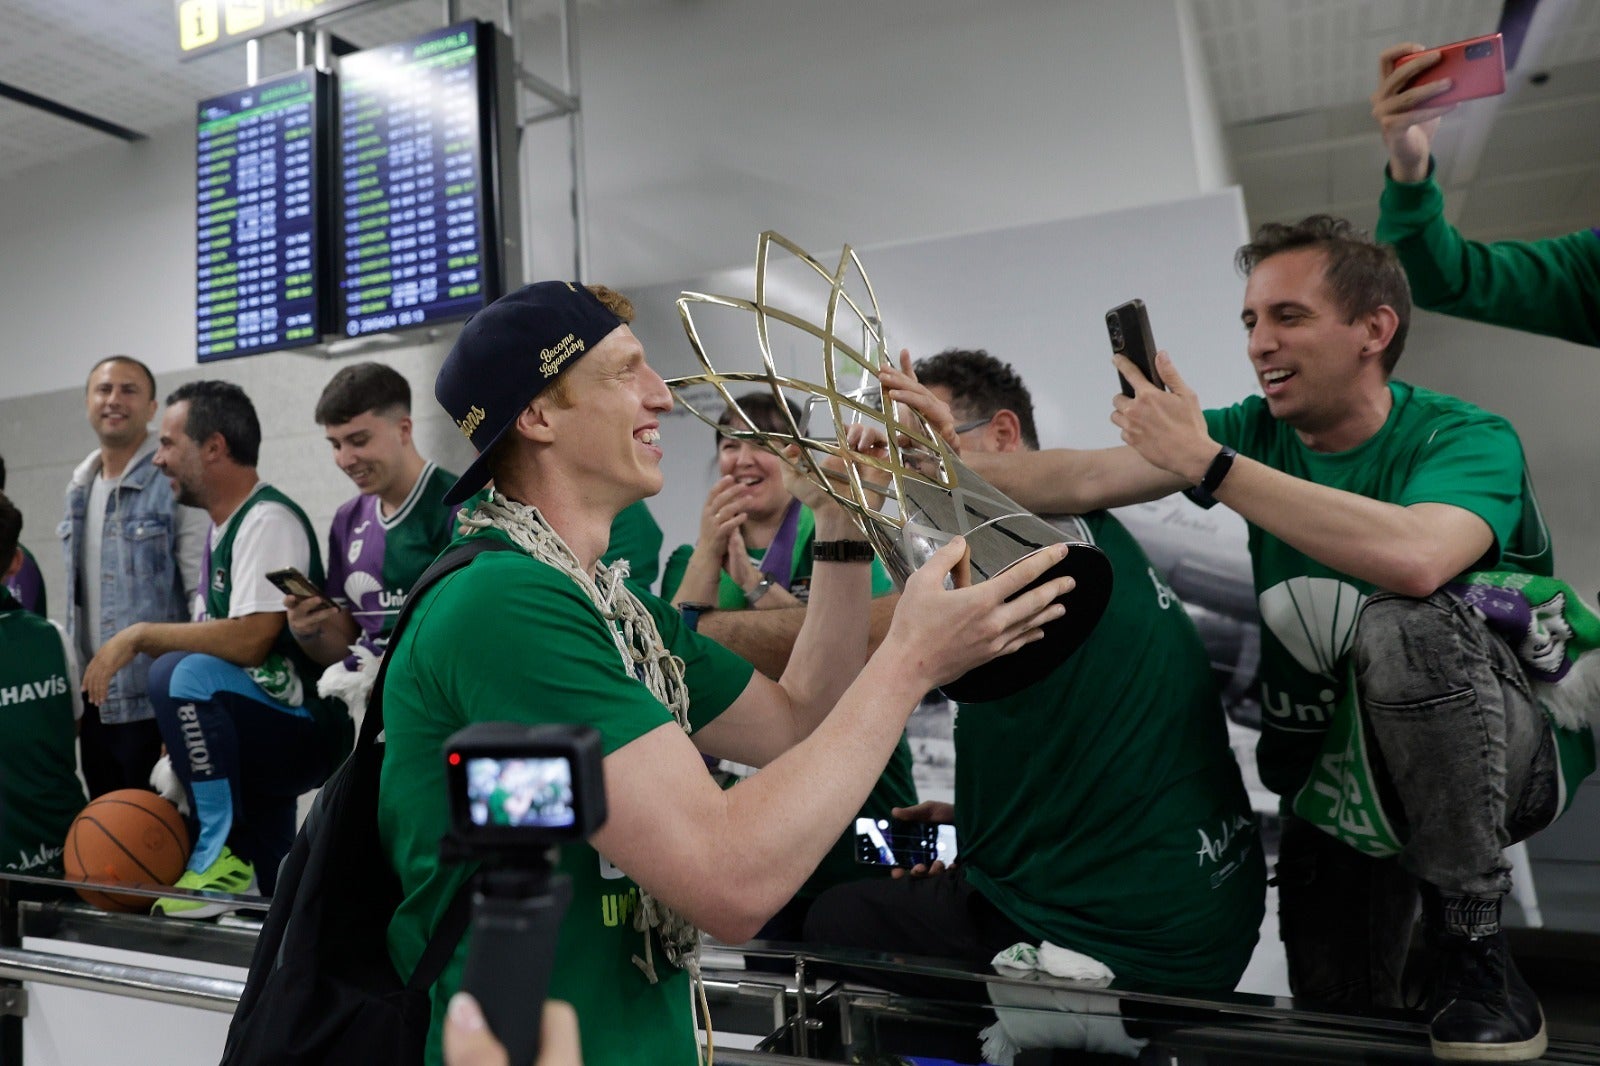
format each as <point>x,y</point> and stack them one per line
<point>1465,766</point>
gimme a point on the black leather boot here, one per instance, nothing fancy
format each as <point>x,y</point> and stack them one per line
<point>1479,1009</point>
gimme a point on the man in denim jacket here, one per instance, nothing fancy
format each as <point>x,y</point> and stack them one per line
<point>132,555</point>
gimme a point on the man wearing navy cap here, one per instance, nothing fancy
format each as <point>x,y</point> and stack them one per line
<point>555,393</point>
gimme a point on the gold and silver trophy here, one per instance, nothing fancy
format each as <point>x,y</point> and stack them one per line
<point>911,500</point>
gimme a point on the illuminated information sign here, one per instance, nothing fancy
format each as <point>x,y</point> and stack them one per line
<point>207,25</point>
<point>413,137</point>
<point>256,233</point>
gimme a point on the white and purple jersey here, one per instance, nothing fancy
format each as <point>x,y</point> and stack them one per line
<point>373,561</point>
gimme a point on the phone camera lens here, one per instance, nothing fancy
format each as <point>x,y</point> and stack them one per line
<point>1116,333</point>
<point>1481,50</point>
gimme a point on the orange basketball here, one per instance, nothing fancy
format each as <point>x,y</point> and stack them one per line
<point>129,837</point>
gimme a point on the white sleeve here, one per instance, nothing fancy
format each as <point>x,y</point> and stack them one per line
<point>270,537</point>
<point>74,672</point>
<point>194,525</point>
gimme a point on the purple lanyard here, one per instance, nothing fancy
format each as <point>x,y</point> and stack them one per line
<point>778,562</point>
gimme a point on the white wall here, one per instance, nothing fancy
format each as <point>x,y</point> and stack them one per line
<point>705,123</point>
<point>1548,389</point>
<point>839,122</point>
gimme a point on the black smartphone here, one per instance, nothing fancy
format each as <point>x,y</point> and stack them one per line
<point>292,582</point>
<point>891,842</point>
<point>1129,326</point>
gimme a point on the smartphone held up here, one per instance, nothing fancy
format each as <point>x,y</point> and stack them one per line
<point>892,842</point>
<point>1476,68</point>
<point>1129,328</point>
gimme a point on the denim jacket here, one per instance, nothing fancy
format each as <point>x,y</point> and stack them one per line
<point>140,577</point>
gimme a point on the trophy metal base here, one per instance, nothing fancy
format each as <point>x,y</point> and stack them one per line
<point>1012,673</point>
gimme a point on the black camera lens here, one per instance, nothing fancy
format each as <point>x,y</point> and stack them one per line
<point>1117,338</point>
<point>1481,50</point>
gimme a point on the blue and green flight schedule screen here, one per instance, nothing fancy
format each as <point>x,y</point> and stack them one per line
<point>411,183</point>
<point>256,226</point>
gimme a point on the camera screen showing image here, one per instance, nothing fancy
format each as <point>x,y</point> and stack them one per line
<point>514,787</point>
<point>516,793</point>
<point>891,842</point>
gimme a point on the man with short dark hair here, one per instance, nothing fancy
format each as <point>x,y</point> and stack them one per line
<point>132,554</point>
<point>235,697</point>
<point>381,541</point>
<point>39,709</point>
<point>1367,499</point>
<point>554,391</point>
<point>1087,841</point>
<point>27,584</point>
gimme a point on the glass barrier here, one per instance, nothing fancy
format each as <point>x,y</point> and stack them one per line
<point>61,888</point>
<point>934,1011</point>
<point>774,1003</point>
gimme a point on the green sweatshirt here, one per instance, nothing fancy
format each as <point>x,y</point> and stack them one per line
<point>1549,286</point>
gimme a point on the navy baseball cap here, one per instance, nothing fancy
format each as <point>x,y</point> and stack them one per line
<point>506,354</point>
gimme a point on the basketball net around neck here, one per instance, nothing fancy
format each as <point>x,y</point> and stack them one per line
<point>644,656</point>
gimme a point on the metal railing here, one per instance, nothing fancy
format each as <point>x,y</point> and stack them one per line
<point>119,979</point>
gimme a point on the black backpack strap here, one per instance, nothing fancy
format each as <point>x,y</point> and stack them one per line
<point>452,927</point>
<point>454,923</point>
<point>449,562</point>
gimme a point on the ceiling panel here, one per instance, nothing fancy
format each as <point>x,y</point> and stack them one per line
<point>1517,203</point>
<point>1269,57</point>
<point>1538,138</point>
<point>1355,169</point>
<point>1292,80</point>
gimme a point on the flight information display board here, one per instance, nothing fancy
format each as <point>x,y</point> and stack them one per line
<point>416,182</point>
<point>258,199</point>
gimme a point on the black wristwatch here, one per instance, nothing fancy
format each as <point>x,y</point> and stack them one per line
<point>842,551</point>
<point>692,613</point>
<point>1204,493</point>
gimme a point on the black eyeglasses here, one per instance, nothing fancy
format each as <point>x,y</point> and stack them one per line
<point>976,423</point>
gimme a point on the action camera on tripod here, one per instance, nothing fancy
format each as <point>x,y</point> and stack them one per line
<point>517,793</point>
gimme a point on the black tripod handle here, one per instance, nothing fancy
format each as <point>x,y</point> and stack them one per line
<point>509,962</point>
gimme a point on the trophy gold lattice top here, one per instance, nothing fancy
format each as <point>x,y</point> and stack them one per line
<point>848,394</point>
<point>933,496</point>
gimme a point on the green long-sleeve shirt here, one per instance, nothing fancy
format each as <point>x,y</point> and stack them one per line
<point>1549,286</point>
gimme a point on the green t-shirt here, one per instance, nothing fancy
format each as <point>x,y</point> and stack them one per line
<point>636,538</point>
<point>1432,449</point>
<point>896,786</point>
<point>1549,286</point>
<point>730,597</point>
<point>511,638</point>
<point>39,789</point>
<point>1101,808</point>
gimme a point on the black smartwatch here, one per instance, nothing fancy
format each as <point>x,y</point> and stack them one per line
<point>842,551</point>
<point>692,613</point>
<point>1204,493</point>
